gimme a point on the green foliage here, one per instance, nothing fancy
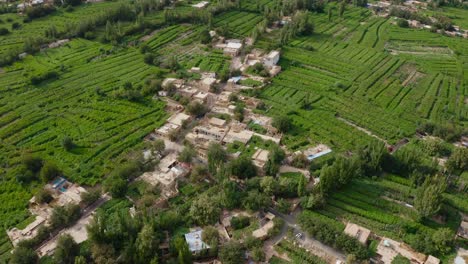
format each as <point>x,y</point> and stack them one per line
<point>205,210</point>
<point>43,196</point>
<point>429,198</point>
<point>231,252</point>
<point>23,255</point>
<point>400,260</point>
<point>239,222</point>
<point>282,123</point>
<point>242,168</point>
<point>330,234</point>
<point>49,172</point>
<point>66,251</point>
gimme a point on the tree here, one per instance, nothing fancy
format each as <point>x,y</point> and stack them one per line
<point>269,185</point>
<point>255,200</point>
<point>205,36</point>
<point>146,244</point>
<point>205,210</point>
<point>282,123</point>
<point>63,216</point>
<point>196,109</point>
<point>429,198</point>
<point>458,161</point>
<point>258,254</point>
<point>91,196</point>
<point>43,196</point>
<point>34,164</point>
<point>231,253</point>
<point>183,253</point>
<point>103,253</point>
<point>330,13</point>
<point>198,173</point>
<point>313,201</point>
<point>210,236</point>
<point>443,240</point>
<point>341,9</point>
<point>80,260</point>
<point>243,168</point>
<point>300,161</point>
<point>301,186</point>
<point>216,157</point>
<point>66,251</point>
<point>116,186</point>
<point>399,259</point>
<point>24,255</point>
<point>403,23</point>
<point>49,172</point>
<point>187,154</point>
<point>158,146</point>
<point>231,195</point>
<point>67,143</point>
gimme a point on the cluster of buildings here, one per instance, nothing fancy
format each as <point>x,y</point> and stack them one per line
<point>22,6</point>
<point>382,8</point>
<point>166,174</point>
<point>230,47</point>
<point>63,193</point>
<point>387,248</point>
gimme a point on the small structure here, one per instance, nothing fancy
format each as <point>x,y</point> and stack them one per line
<point>179,119</point>
<point>266,225</point>
<point>432,260</point>
<point>166,174</point>
<point>318,151</point>
<point>260,157</point>
<point>463,229</point>
<point>172,81</point>
<point>58,43</point>
<point>360,233</point>
<point>210,132</point>
<point>242,136</point>
<point>232,47</point>
<point>207,83</point>
<point>414,23</point>
<point>201,4</point>
<point>218,122</point>
<point>174,123</point>
<point>195,242</point>
<point>28,232</point>
<point>271,59</point>
<point>201,97</point>
<point>388,249</point>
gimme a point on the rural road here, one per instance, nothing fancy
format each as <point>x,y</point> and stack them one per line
<point>307,242</point>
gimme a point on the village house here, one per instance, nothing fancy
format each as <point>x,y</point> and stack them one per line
<point>173,124</point>
<point>165,175</point>
<point>316,152</point>
<point>360,233</point>
<point>207,83</point>
<point>195,242</point>
<point>463,229</point>
<point>201,4</point>
<point>187,91</point>
<point>231,47</point>
<point>210,132</point>
<point>217,122</point>
<point>266,224</point>
<point>63,193</point>
<point>201,97</point>
<point>271,59</point>
<point>388,249</point>
<point>172,81</point>
<point>241,135</point>
<point>259,158</point>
